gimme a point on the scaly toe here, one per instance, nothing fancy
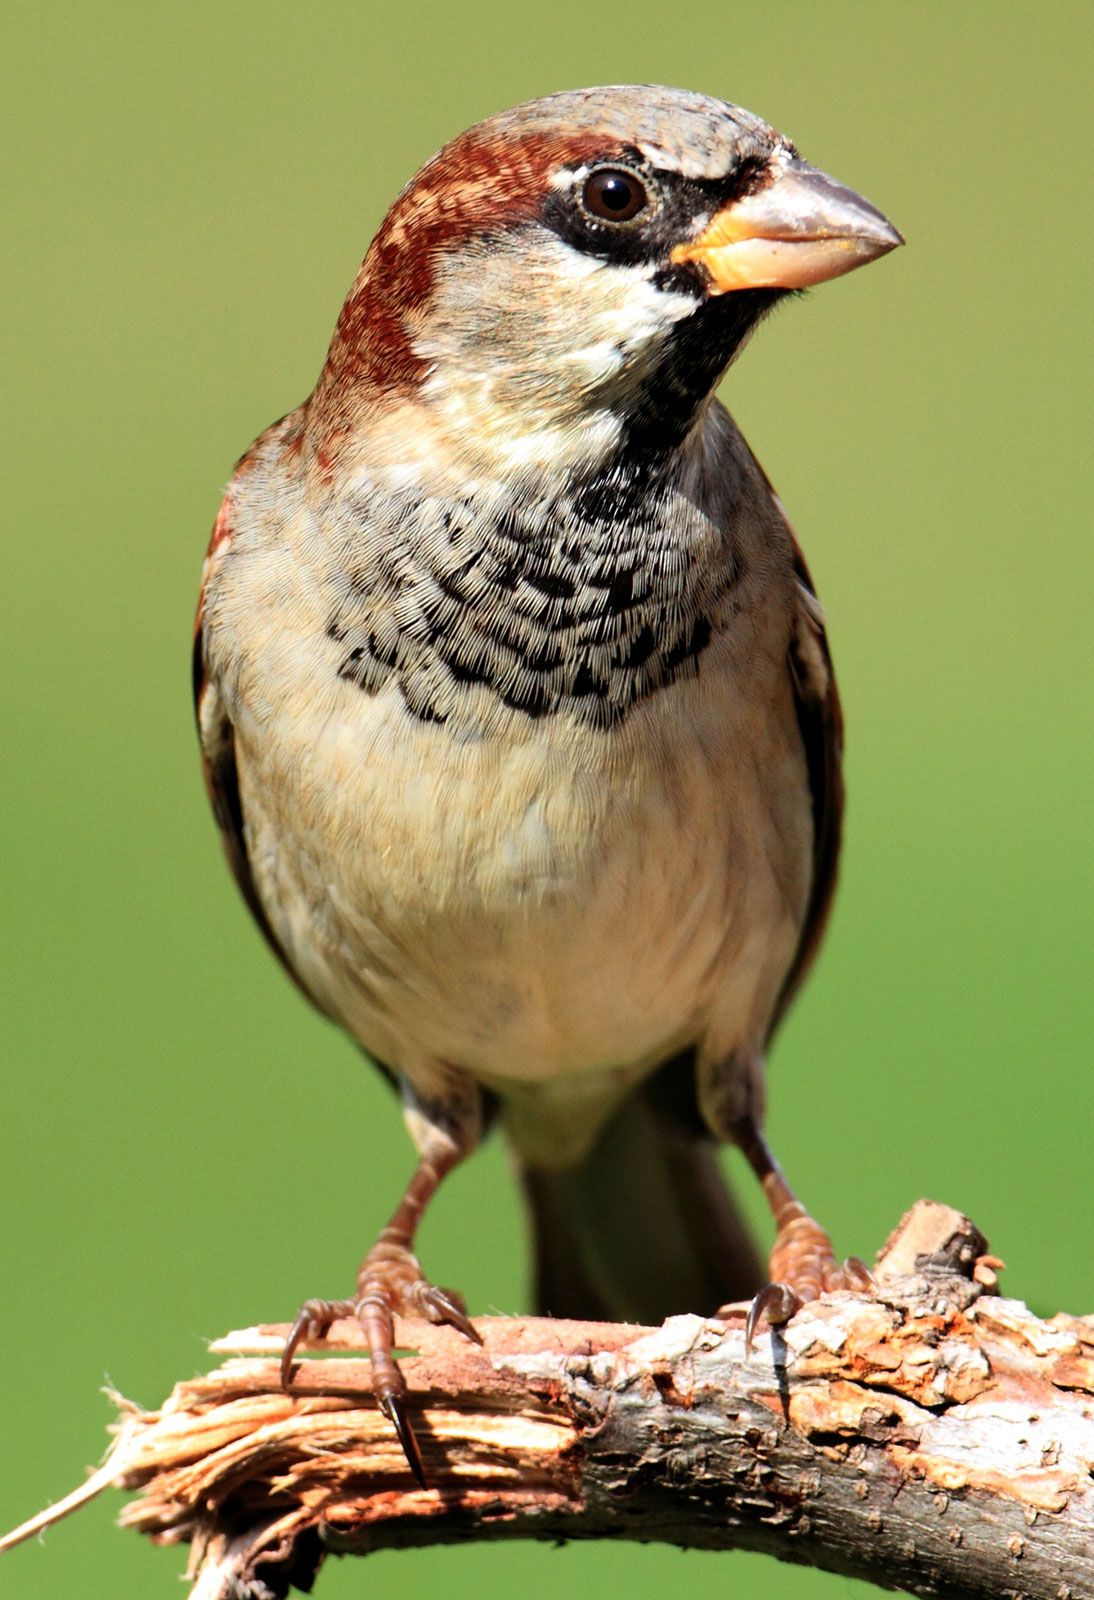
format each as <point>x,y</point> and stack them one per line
<point>389,1285</point>
<point>803,1267</point>
<point>312,1321</point>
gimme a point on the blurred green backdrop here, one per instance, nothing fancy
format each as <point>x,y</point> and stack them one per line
<point>190,191</point>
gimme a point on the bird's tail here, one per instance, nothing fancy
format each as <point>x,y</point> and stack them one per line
<point>645,1226</point>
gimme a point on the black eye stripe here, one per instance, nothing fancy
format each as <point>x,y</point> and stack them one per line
<point>673,205</point>
<point>614,194</point>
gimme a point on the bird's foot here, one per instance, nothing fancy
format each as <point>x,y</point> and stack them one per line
<point>803,1266</point>
<point>389,1285</point>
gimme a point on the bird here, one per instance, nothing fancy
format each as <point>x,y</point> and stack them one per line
<point>516,706</point>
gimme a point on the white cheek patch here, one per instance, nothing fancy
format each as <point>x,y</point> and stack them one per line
<point>534,346</point>
<point>632,310</point>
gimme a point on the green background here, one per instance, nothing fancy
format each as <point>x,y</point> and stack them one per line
<point>187,1147</point>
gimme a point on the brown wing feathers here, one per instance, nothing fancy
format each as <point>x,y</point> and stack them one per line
<point>821,722</point>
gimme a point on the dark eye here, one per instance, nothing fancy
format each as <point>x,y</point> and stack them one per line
<point>613,195</point>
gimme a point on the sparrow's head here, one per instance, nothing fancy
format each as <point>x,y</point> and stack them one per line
<point>571,278</point>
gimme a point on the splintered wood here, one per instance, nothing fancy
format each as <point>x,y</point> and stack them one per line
<point>931,1436</point>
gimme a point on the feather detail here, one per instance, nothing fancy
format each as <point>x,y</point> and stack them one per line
<point>820,719</point>
<point>215,731</point>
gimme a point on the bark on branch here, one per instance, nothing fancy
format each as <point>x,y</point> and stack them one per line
<point>933,1437</point>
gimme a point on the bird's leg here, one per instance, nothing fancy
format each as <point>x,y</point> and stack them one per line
<point>802,1263</point>
<point>390,1282</point>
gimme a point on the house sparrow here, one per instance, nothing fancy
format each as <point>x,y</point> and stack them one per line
<point>515,700</point>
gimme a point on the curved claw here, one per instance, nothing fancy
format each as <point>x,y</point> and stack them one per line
<point>395,1412</point>
<point>775,1301</point>
<point>312,1321</point>
<point>296,1333</point>
<point>441,1305</point>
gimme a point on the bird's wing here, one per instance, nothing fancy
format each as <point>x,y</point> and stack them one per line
<point>218,751</point>
<point>820,719</point>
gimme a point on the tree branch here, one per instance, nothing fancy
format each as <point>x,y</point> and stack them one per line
<point>932,1436</point>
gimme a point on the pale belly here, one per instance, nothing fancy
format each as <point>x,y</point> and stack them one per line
<point>555,911</point>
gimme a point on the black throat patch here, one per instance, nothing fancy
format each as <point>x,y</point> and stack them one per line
<point>541,608</point>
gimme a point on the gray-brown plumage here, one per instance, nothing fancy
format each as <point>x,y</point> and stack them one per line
<point>515,697</point>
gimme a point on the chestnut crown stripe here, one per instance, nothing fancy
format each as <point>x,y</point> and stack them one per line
<point>478,183</point>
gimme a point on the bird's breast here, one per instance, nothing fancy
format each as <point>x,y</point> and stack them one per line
<point>536,894</point>
<point>534,908</point>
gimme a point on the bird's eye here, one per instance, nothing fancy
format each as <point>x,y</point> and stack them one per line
<point>612,194</point>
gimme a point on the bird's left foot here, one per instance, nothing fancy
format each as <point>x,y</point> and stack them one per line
<point>803,1266</point>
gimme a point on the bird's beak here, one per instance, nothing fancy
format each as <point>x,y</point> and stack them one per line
<point>801,229</point>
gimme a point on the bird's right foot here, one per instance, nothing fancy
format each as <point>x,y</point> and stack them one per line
<point>389,1285</point>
